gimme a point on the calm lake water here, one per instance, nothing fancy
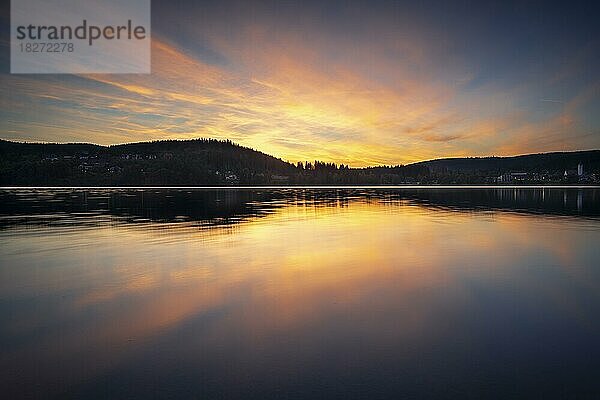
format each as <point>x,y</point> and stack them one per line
<point>300,293</point>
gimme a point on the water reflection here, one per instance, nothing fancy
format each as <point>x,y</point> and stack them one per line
<point>299,294</point>
<point>227,207</point>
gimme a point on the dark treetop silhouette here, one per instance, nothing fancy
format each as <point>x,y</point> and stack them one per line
<point>206,162</point>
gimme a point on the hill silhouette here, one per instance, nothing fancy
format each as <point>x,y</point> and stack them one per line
<point>205,162</point>
<point>529,162</point>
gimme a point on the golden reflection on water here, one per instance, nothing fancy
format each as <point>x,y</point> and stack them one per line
<point>394,276</point>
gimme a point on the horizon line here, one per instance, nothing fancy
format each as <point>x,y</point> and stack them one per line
<point>310,187</point>
<point>292,162</point>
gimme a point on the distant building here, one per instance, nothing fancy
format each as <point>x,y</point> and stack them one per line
<point>518,176</point>
<point>131,156</point>
<point>280,178</point>
<point>512,177</point>
<point>230,177</point>
<point>571,172</point>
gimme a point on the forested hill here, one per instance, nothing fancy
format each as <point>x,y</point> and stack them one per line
<point>557,161</point>
<point>206,162</point>
<point>205,151</point>
<point>171,162</point>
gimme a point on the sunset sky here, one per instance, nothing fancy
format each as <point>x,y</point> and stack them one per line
<point>354,82</point>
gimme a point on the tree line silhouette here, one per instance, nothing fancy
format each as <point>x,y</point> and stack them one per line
<point>202,162</point>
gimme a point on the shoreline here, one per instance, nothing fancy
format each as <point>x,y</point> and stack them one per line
<point>309,187</point>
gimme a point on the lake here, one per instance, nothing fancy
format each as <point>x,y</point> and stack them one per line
<point>300,293</point>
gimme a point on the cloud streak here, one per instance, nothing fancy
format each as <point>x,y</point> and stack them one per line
<point>301,94</point>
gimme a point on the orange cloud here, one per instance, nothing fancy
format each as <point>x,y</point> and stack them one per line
<point>295,101</point>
